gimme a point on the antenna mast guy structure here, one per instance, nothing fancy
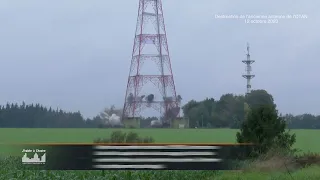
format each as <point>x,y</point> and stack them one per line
<point>151,46</point>
<point>248,74</point>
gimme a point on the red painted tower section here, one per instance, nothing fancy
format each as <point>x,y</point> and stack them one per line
<point>151,34</point>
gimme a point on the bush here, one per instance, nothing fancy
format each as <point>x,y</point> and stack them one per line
<point>266,129</point>
<point>279,160</point>
<point>308,159</point>
<point>122,137</point>
<point>274,160</point>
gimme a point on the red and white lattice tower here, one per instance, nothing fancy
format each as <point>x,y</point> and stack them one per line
<point>150,82</point>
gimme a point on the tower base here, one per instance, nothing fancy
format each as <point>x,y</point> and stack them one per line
<point>180,123</point>
<point>131,122</point>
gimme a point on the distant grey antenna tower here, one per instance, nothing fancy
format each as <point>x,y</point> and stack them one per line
<point>248,74</point>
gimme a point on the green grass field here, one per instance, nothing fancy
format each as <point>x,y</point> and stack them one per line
<point>307,141</point>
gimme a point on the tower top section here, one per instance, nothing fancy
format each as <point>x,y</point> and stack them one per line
<point>248,60</point>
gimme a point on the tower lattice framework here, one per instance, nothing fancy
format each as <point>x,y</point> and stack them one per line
<point>151,34</point>
<point>248,76</point>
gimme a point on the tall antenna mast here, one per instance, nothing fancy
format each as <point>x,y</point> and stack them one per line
<point>150,82</point>
<point>248,74</point>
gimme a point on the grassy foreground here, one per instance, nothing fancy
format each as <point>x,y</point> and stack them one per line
<point>312,173</point>
<point>307,140</point>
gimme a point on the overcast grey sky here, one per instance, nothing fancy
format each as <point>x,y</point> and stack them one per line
<point>75,54</point>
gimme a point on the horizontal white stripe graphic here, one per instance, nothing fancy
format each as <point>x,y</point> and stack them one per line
<point>114,153</point>
<point>157,147</point>
<point>157,160</point>
<point>129,166</point>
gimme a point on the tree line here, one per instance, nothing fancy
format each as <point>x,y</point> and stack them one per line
<point>227,112</point>
<point>231,110</point>
<point>38,116</point>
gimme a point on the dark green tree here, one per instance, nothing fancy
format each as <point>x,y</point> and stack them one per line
<point>229,111</point>
<point>258,98</point>
<point>266,129</point>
